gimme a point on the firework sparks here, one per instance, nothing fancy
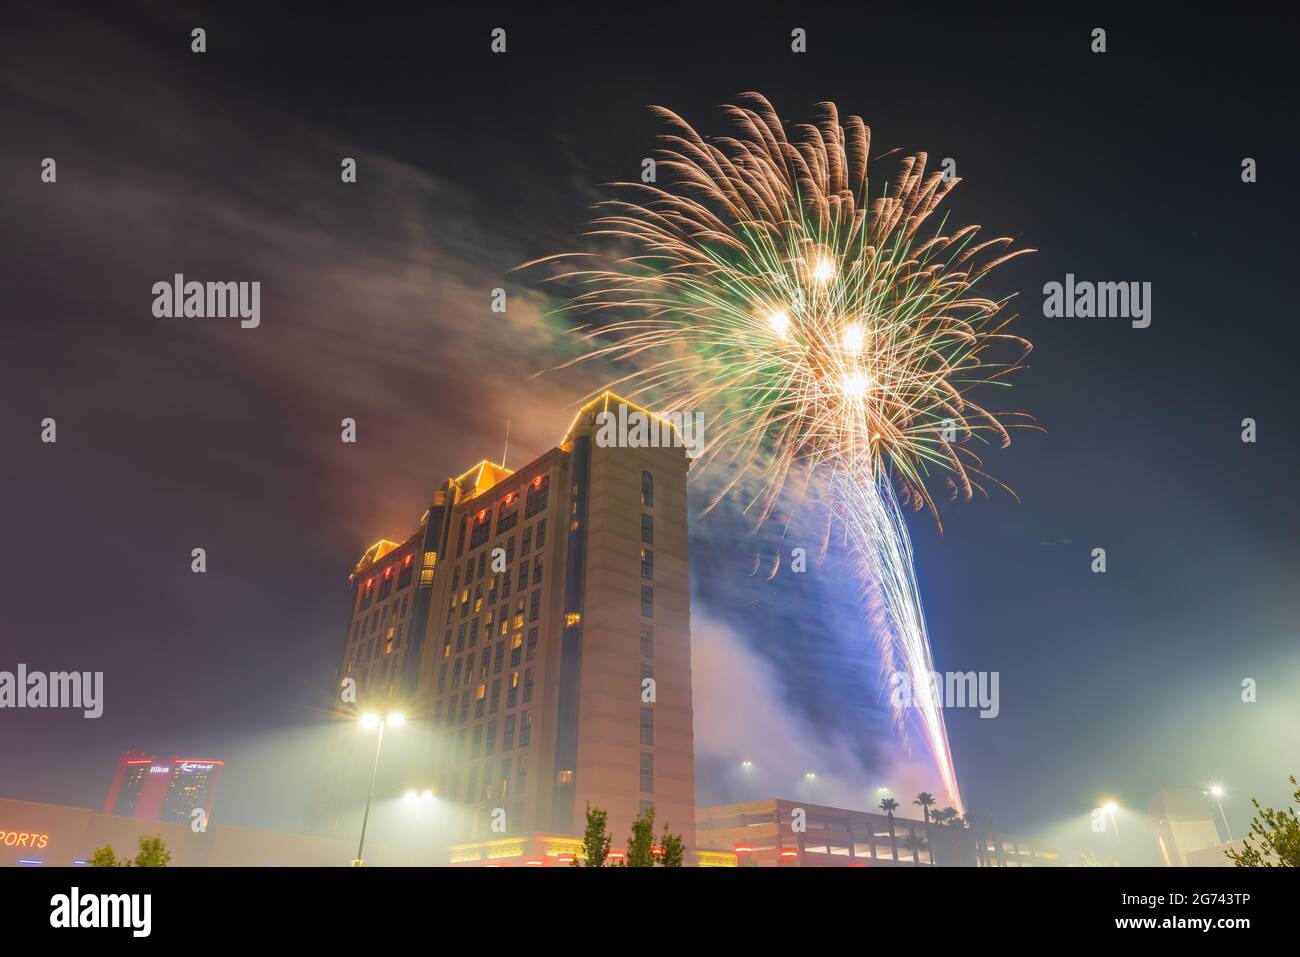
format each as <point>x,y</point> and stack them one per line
<point>821,331</point>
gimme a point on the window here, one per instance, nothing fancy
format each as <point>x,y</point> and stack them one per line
<point>499,659</point>
<point>512,696</point>
<point>528,685</point>
<point>508,735</point>
<point>464,707</point>
<point>535,606</point>
<point>460,536</point>
<point>496,695</point>
<point>647,490</point>
<point>541,532</point>
<point>647,772</point>
<point>480,700</point>
<point>647,640</point>
<point>476,743</point>
<point>526,541</point>
<point>539,490</point>
<point>525,728</point>
<point>647,564</point>
<point>647,601</point>
<point>521,775</point>
<point>482,528</point>
<point>490,742</point>
<point>483,657</point>
<point>473,632</point>
<point>537,570</point>
<point>647,726</point>
<point>408,569</point>
<point>647,529</point>
<point>532,643</point>
<point>515,642</point>
<point>442,679</point>
<point>507,515</point>
<point>510,549</point>
<point>523,575</point>
<point>460,639</point>
<point>519,610</point>
<point>455,674</point>
<point>386,585</point>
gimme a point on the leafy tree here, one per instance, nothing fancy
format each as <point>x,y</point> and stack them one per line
<point>104,857</point>
<point>674,848</point>
<point>1274,838</point>
<point>153,853</point>
<point>595,842</point>
<point>641,841</point>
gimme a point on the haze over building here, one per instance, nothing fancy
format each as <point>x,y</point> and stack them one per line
<point>545,642</point>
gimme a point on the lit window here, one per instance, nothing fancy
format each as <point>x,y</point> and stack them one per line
<point>647,490</point>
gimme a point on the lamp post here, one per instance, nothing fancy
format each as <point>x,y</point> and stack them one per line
<point>748,768</point>
<point>371,720</point>
<point>812,787</point>
<point>1216,792</point>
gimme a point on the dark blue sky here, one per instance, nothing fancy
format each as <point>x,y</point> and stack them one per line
<point>1116,167</point>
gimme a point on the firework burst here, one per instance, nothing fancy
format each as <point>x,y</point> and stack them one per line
<point>822,331</point>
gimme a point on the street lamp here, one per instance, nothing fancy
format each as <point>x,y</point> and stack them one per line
<point>812,786</point>
<point>1110,807</point>
<point>748,768</point>
<point>372,720</point>
<point>1216,792</point>
<point>418,801</point>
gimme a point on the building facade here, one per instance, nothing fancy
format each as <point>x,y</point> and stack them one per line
<point>781,833</point>
<point>151,788</point>
<point>545,651</point>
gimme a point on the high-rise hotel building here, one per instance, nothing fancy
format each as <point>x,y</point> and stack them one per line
<point>538,624</point>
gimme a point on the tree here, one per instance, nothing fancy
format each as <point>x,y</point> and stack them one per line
<point>674,848</point>
<point>889,806</point>
<point>595,843</point>
<point>926,800</point>
<point>153,853</point>
<point>915,845</point>
<point>1274,838</point>
<point>104,857</point>
<point>641,841</point>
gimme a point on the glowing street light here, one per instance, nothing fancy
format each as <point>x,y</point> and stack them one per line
<point>371,720</point>
<point>811,778</point>
<point>1110,807</point>
<point>1216,791</point>
<point>748,768</point>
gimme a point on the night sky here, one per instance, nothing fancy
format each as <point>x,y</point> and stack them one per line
<point>172,434</point>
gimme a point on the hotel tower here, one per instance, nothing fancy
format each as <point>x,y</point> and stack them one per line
<point>535,631</point>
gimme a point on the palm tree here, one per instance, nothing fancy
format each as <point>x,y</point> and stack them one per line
<point>889,806</point>
<point>950,815</point>
<point>926,801</point>
<point>970,822</point>
<point>915,845</point>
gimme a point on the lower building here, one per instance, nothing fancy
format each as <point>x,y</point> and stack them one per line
<point>782,833</point>
<point>33,834</point>
<point>1184,824</point>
